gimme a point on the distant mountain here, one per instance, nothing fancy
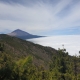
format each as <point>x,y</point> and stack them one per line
<point>22,34</point>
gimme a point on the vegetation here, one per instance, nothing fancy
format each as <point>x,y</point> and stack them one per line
<point>22,60</point>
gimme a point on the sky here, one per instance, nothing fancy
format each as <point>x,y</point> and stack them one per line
<point>41,17</point>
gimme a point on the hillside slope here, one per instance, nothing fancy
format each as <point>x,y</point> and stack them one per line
<point>23,60</point>
<point>18,48</point>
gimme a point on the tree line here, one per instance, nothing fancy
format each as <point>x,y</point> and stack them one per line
<point>61,67</point>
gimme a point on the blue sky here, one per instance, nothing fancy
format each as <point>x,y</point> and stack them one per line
<point>41,17</point>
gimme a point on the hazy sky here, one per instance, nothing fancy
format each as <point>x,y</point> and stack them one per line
<point>42,17</point>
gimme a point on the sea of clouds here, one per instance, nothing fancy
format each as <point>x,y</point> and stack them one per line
<point>71,42</point>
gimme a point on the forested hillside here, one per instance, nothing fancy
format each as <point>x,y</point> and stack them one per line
<point>23,60</point>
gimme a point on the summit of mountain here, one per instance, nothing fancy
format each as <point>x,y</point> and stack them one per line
<point>23,34</point>
<point>19,32</point>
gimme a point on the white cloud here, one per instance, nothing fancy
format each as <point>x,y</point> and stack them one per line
<point>30,18</point>
<point>60,6</point>
<point>39,16</point>
<point>71,42</point>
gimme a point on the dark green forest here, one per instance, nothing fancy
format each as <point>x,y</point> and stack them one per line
<point>23,60</point>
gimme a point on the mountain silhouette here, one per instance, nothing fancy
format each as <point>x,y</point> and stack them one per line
<point>22,34</point>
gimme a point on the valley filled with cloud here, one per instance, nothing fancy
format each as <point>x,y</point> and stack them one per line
<point>71,43</point>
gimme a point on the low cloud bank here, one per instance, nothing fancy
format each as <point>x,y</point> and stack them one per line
<point>71,42</point>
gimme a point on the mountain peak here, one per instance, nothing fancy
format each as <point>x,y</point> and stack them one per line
<point>18,32</point>
<point>22,34</point>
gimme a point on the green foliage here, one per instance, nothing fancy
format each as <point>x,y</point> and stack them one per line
<point>6,67</point>
<point>22,60</point>
<point>61,68</point>
<point>1,47</point>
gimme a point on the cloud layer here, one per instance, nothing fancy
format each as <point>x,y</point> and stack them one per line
<point>71,42</point>
<point>39,16</point>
